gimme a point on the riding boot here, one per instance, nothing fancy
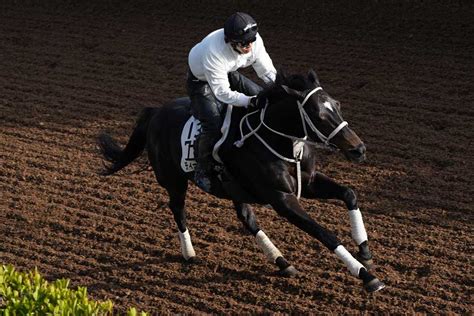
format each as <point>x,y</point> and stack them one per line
<point>205,161</point>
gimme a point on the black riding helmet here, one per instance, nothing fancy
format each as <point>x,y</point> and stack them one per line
<point>240,28</point>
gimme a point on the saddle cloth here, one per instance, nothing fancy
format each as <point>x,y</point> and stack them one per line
<point>191,129</point>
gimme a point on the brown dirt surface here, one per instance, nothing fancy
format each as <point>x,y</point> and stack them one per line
<point>403,71</point>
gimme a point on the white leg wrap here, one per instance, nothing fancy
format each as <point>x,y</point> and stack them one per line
<point>267,246</point>
<point>186,246</point>
<point>357,226</point>
<point>352,264</point>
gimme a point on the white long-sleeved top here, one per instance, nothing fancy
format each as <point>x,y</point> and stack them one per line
<point>212,59</point>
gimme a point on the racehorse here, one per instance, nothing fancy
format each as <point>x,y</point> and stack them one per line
<point>262,167</point>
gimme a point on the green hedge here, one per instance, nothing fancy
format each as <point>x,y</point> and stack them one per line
<point>30,294</point>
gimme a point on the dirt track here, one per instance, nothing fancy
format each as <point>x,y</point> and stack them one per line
<point>403,73</point>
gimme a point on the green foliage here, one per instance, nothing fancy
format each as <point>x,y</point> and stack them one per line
<point>133,312</point>
<point>29,294</point>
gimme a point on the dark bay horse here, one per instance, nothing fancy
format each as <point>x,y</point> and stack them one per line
<point>264,168</point>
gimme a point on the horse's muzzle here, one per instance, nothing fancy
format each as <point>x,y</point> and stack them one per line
<point>356,154</point>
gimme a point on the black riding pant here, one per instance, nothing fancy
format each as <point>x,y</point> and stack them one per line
<point>209,110</point>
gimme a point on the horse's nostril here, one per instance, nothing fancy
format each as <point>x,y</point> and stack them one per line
<point>359,150</point>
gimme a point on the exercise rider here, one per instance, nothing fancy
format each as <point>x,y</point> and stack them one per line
<point>213,81</point>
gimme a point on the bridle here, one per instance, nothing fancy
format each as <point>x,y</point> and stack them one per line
<point>306,121</point>
<point>297,141</point>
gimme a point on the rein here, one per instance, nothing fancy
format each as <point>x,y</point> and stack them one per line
<point>298,154</point>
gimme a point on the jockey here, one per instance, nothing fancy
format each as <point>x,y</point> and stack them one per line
<point>213,81</point>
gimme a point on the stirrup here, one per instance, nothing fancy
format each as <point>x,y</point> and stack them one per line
<point>202,180</point>
<point>204,184</point>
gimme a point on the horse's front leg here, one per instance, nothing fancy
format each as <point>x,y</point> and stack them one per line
<point>248,219</point>
<point>319,186</point>
<point>287,205</point>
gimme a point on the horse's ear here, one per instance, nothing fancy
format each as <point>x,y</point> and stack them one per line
<point>313,77</point>
<point>293,92</point>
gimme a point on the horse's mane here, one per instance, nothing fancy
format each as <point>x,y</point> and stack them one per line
<point>275,91</point>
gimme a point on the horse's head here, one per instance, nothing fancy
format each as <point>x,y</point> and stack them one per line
<point>321,115</point>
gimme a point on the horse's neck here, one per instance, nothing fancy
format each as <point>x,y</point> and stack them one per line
<point>284,117</point>
<point>279,118</point>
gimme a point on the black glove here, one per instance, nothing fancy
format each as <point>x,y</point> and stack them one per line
<point>257,103</point>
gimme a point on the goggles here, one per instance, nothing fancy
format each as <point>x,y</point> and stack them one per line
<point>245,44</point>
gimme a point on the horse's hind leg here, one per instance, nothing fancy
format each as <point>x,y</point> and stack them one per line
<point>176,186</point>
<point>177,200</point>
<point>322,187</point>
<point>247,217</point>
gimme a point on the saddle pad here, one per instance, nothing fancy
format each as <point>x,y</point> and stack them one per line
<point>191,129</point>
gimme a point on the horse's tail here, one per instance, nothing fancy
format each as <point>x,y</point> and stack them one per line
<point>136,144</point>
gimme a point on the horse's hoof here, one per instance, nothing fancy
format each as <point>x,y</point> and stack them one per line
<point>192,260</point>
<point>367,263</point>
<point>288,272</point>
<point>374,285</point>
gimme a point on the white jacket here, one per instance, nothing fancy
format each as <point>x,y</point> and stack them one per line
<point>212,59</point>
